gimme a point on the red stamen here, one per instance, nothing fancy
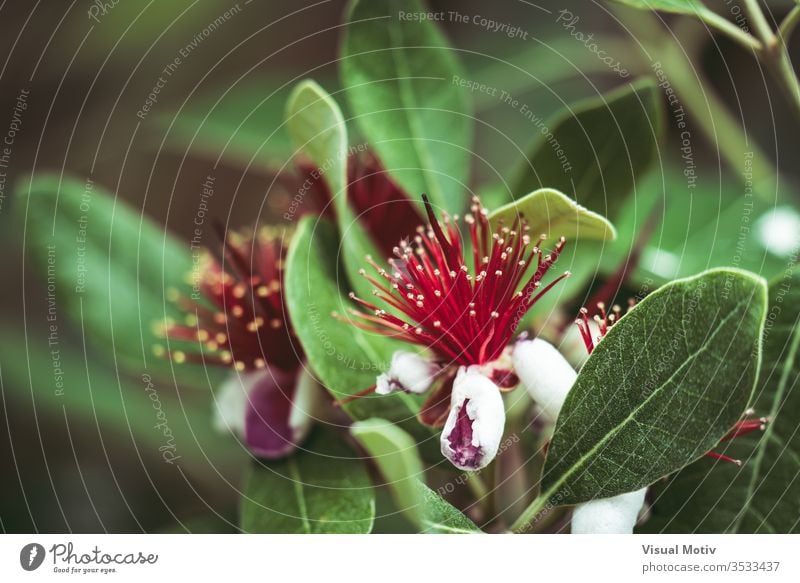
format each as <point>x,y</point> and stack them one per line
<point>724,458</point>
<point>743,427</point>
<point>465,314</point>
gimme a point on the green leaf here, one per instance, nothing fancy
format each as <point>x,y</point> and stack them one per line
<point>441,517</point>
<point>763,496</point>
<point>110,264</point>
<point>395,453</point>
<point>318,129</point>
<point>323,488</point>
<point>66,385</point>
<point>598,150</point>
<point>346,358</point>
<point>399,78</point>
<point>555,214</point>
<point>661,389</point>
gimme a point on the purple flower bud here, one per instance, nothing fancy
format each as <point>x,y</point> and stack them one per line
<point>270,409</point>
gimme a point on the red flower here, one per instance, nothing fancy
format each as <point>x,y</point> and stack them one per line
<point>239,316</point>
<point>466,316</point>
<point>236,317</point>
<point>465,308</point>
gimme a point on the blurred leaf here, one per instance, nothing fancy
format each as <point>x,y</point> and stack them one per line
<point>323,488</point>
<point>598,150</point>
<point>661,389</point>
<point>710,225</point>
<point>59,381</point>
<point>110,265</point>
<point>243,125</point>
<point>763,496</point>
<point>398,77</point>
<point>395,453</point>
<point>316,125</point>
<point>551,212</point>
<point>346,358</point>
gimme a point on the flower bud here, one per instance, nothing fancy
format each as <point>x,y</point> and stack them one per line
<point>270,409</point>
<point>409,373</point>
<point>474,427</point>
<point>545,373</point>
<point>615,515</point>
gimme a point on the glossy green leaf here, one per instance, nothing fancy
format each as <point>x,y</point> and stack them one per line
<point>551,212</point>
<point>398,74</point>
<point>323,488</point>
<point>395,453</point>
<point>762,496</point>
<point>661,389</point>
<point>597,151</point>
<point>110,264</point>
<point>345,358</point>
<point>315,123</point>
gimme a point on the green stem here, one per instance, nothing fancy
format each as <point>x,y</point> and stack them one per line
<point>758,21</point>
<point>774,54</point>
<point>781,66</point>
<point>788,25</point>
<point>523,523</point>
<point>719,126</point>
<point>733,32</point>
<point>479,489</point>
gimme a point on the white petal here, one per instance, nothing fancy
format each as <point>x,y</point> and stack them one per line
<point>615,515</point>
<point>545,373</point>
<point>486,411</point>
<point>408,372</point>
<point>305,404</point>
<point>230,401</point>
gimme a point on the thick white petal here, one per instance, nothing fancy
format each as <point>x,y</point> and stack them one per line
<point>545,373</point>
<point>615,515</point>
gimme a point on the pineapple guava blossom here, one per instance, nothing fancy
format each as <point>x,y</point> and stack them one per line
<point>463,307</point>
<point>238,319</point>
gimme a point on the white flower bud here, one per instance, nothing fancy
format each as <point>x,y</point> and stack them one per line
<point>474,428</point>
<point>409,372</point>
<point>545,373</point>
<point>615,515</point>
